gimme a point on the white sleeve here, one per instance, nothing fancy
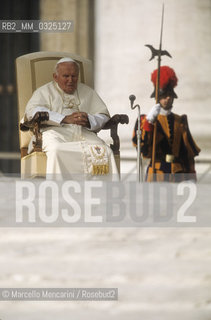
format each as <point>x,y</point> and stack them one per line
<point>97,121</point>
<point>55,118</point>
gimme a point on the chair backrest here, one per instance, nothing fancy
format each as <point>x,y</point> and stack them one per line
<point>34,70</point>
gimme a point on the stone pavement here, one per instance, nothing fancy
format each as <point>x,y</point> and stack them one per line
<point>160,273</point>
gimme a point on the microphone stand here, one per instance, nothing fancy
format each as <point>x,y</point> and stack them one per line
<point>138,134</point>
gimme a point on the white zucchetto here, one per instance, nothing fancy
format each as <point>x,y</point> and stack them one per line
<point>66,59</point>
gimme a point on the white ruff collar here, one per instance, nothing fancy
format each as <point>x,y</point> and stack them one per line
<point>164,112</point>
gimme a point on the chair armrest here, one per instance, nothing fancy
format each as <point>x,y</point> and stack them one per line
<point>115,120</point>
<point>35,124</point>
<point>37,119</point>
<point>112,124</point>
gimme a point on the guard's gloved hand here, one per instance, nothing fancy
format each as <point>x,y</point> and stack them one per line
<point>154,112</point>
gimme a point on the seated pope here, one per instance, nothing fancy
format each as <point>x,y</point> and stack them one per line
<point>69,137</point>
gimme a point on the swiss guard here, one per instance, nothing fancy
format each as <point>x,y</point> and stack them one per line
<point>174,149</point>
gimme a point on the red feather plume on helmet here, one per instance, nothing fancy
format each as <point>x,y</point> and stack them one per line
<point>167,77</point>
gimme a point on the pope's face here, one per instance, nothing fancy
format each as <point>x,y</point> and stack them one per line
<point>67,76</point>
<point>166,101</point>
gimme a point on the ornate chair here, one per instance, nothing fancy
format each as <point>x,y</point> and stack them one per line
<point>32,71</point>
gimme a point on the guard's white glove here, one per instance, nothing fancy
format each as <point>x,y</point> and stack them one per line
<point>154,112</point>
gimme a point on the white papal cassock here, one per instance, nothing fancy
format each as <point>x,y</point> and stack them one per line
<point>73,150</point>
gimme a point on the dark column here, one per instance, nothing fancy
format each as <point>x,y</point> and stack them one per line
<point>12,46</point>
